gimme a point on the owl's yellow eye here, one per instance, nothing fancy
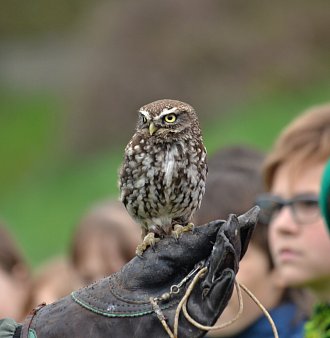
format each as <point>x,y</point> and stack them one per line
<point>170,118</point>
<point>144,119</point>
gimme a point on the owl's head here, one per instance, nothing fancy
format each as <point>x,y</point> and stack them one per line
<point>168,118</point>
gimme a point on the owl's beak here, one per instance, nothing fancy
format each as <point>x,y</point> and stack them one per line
<point>152,128</point>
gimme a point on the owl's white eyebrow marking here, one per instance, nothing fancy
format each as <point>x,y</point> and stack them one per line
<point>166,111</point>
<point>145,113</point>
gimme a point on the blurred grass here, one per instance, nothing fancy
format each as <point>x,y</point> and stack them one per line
<point>44,210</point>
<point>43,202</point>
<point>259,121</point>
<point>28,125</point>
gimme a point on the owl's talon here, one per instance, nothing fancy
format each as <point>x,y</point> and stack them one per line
<point>139,254</point>
<point>190,226</point>
<point>176,231</point>
<point>149,240</point>
<point>179,229</point>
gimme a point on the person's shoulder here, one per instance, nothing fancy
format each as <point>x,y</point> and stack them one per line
<point>284,318</point>
<point>287,321</point>
<point>7,327</point>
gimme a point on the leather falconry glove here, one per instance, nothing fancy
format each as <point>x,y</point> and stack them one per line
<point>120,305</point>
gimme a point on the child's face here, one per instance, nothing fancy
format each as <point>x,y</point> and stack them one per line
<point>100,258</point>
<point>300,251</point>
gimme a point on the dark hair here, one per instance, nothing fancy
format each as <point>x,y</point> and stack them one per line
<point>232,186</point>
<point>14,264</point>
<point>10,255</point>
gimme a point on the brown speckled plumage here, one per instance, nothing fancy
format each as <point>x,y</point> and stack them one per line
<point>162,179</point>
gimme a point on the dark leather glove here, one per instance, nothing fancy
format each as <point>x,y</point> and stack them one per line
<point>119,305</point>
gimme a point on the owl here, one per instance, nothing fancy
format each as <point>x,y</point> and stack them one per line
<point>162,178</point>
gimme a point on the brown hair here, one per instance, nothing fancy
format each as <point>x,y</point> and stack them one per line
<point>10,255</point>
<point>305,141</point>
<point>14,264</point>
<point>233,183</point>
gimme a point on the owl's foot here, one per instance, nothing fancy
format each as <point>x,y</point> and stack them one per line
<point>149,240</point>
<point>179,229</point>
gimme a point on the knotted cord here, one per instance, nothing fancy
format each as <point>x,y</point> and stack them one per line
<point>183,305</point>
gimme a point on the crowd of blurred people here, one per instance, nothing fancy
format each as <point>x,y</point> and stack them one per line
<point>286,265</point>
<point>102,242</point>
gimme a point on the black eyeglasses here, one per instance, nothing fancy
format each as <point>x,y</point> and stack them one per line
<point>304,208</point>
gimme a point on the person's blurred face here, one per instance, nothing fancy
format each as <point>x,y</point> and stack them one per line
<point>300,251</point>
<point>100,258</point>
<point>12,295</point>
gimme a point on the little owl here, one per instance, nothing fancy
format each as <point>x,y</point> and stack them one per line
<point>162,179</point>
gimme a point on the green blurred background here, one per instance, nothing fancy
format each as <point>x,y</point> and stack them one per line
<point>73,74</point>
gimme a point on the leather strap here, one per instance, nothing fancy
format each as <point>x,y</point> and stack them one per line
<point>28,321</point>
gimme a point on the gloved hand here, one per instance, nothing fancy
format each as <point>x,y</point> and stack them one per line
<point>121,305</point>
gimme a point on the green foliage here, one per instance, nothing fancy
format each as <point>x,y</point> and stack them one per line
<point>319,324</point>
<point>42,198</point>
